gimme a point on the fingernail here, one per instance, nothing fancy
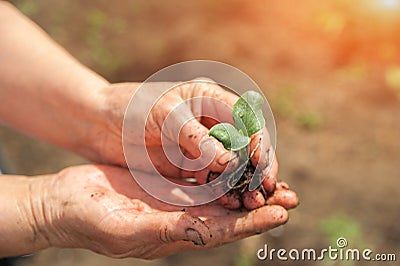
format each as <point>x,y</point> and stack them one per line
<point>206,144</point>
<point>281,215</point>
<point>195,237</point>
<point>225,158</point>
<point>282,185</point>
<point>267,157</point>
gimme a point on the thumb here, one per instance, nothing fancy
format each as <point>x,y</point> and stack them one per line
<point>168,227</point>
<point>195,139</point>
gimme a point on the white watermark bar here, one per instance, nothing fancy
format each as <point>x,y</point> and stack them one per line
<point>339,253</point>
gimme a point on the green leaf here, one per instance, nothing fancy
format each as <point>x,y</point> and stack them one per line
<point>229,136</point>
<point>247,113</point>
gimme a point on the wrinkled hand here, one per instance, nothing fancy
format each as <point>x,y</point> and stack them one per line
<point>101,208</point>
<point>193,137</point>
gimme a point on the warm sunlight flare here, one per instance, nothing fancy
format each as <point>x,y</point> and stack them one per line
<point>390,3</point>
<point>385,7</point>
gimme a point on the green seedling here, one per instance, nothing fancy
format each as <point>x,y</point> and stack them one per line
<point>248,119</point>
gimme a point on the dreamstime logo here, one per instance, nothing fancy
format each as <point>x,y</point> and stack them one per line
<point>341,242</point>
<point>330,253</point>
<point>153,151</point>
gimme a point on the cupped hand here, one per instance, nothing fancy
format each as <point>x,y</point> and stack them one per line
<point>101,208</point>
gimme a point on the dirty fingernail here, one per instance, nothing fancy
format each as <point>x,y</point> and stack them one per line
<point>195,237</point>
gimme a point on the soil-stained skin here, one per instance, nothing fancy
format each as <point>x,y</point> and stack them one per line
<point>253,199</point>
<point>270,192</point>
<point>284,197</point>
<point>231,200</point>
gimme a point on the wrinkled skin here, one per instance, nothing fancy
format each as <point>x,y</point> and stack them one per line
<point>193,138</point>
<point>101,208</point>
<point>253,199</point>
<point>284,195</point>
<point>193,134</point>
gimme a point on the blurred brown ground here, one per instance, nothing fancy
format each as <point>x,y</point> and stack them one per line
<point>331,72</point>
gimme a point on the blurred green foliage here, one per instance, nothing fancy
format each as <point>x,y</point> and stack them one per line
<point>309,119</point>
<point>341,226</point>
<point>283,101</point>
<point>338,226</point>
<point>245,260</point>
<point>100,54</point>
<point>285,104</point>
<point>245,255</point>
<point>29,8</point>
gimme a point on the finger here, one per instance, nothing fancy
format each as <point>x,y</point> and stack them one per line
<point>194,138</point>
<point>273,170</point>
<point>213,103</point>
<point>284,197</point>
<point>232,227</point>
<point>269,183</point>
<point>231,200</point>
<point>209,88</point>
<point>155,160</point>
<point>240,225</point>
<point>159,163</point>
<point>200,176</point>
<point>216,103</point>
<point>215,106</point>
<point>259,147</point>
<point>270,175</point>
<point>253,199</point>
<point>169,227</point>
<point>209,122</point>
<point>282,185</point>
<point>235,226</point>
